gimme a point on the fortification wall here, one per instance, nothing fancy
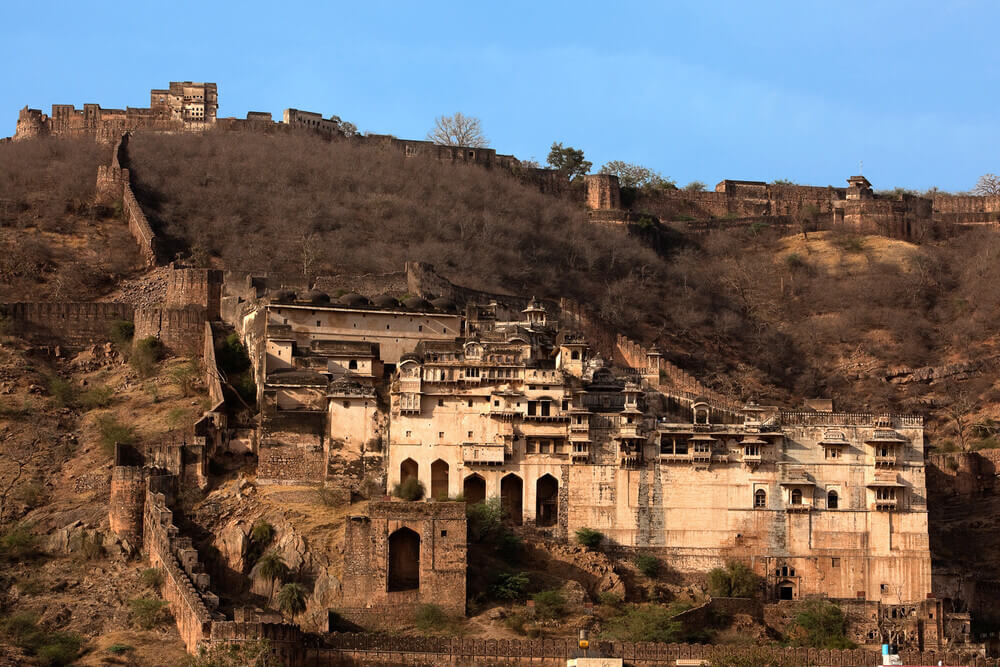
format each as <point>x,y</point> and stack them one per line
<point>368,284</point>
<point>185,585</point>
<point>128,496</point>
<point>951,204</point>
<point>180,329</point>
<point>66,323</point>
<point>138,225</point>
<point>195,287</point>
<point>211,368</point>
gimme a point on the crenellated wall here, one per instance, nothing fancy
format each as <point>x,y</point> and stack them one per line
<point>195,287</point>
<point>64,323</point>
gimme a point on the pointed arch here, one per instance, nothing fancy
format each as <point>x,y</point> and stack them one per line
<point>407,469</point>
<point>474,489</point>
<point>439,479</point>
<point>546,501</point>
<point>404,560</point>
<point>511,497</point>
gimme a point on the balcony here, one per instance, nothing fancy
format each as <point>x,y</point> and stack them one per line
<point>885,504</point>
<point>885,461</point>
<point>801,508</point>
<point>674,457</point>
<point>473,454</point>
<point>753,459</point>
<point>581,453</point>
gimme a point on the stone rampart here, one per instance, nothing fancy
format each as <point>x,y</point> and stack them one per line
<point>64,323</point>
<point>211,368</point>
<point>185,584</point>
<point>195,287</point>
<point>138,225</point>
<point>180,329</point>
<point>128,497</point>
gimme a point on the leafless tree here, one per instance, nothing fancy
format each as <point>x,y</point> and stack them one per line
<point>17,459</point>
<point>988,185</point>
<point>458,130</point>
<point>960,411</point>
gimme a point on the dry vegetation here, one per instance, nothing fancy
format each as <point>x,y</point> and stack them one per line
<point>54,243</point>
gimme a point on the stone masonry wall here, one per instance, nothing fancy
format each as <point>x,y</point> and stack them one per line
<point>180,329</point>
<point>66,323</point>
<point>195,287</point>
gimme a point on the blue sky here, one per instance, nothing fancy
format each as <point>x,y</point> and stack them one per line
<point>696,90</point>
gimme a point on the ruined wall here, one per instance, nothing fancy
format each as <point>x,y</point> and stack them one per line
<point>442,530</point>
<point>185,584</point>
<point>65,323</point>
<point>180,329</point>
<point>603,192</point>
<point>128,497</point>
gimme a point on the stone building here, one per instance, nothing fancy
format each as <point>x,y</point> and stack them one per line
<point>187,101</point>
<point>506,402</point>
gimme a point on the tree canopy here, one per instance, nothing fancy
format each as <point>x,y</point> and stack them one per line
<point>637,176</point>
<point>568,160</point>
<point>987,185</point>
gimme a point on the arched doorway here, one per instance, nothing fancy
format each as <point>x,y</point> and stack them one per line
<point>408,469</point>
<point>546,501</point>
<point>511,495</point>
<point>404,560</point>
<point>439,480</point>
<point>474,489</point>
<point>786,590</point>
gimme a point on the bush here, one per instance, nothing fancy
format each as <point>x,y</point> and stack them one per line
<point>652,623</point>
<point>18,543</point>
<point>120,332</point>
<point>549,604</point>
<point>51,648</point>
<point>610,600</point>
<point>146,353</point>
<point>510,586</point>
<point>185,376</point>
<point>648,565</point>
<point>589,537</point>
<point>485,526</point>
<point>96,397</point>
<point>114,432</point>
<point>735,580</point>
<point>820,624</point>
<point>244,654</point>
<point>430,617</point>
<point>147,613</point>
<point>120,649</point>
<point>63,392</point>
<point>151,578</point>
<point>410,489</point>
<point>516,622</point>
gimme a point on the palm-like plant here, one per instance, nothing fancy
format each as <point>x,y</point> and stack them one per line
<point>272,567</point>
<point>292,599</point>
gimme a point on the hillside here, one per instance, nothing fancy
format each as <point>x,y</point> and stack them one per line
<point>753,314</point>
<point>54,243</point>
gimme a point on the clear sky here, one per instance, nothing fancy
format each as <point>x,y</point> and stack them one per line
<point>697,90</point>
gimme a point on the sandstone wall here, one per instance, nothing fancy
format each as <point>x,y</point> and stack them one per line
<point>65,323</point>
<point>195,287</point>
<point>180,329</point>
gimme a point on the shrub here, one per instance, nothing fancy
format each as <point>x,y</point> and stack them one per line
<point>96,397</point>
<point>849,243</point>
<point>59,648</point>
<point>820,624</point>
<point>329,497</point>
<point>516,622</point>
<point>549,604</point>
<point>410,489</point>
<point>652,623</point>
<point>146,353</point>
<point>114,432</point>
<point>51,648</point>
<point>63,392</point>
<point>648,565</point>
<point>262,532</point>
<point>18,543</point>
<point>509,586</point>
<point>255,653</point>
<point>430,617</point>
<point>120,649</point>
<point>120,332</point>
<point>589,537</point>
<point>610,600</point>
<point>485,525</point>
<point>151,578</point>
<point>148,612</point>
<point>292,599</point>
<point>735,580</point>
<point>185,376</point>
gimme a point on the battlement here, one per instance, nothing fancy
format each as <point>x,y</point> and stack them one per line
<point>63,322</point>
<point>180,329</point>
<point>195,287</point>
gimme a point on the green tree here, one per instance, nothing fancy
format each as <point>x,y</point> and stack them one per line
<point>735,580</point>
<point>652,623</point>
<point>568,161</point>
<point>292,599</point>
<point>589,537</point>
<point>820,624</point>
<point>695,186</point>
<point>273,568</point>
<point>243,654</point>
<point>637,176</point>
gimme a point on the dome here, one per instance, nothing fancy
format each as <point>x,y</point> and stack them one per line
<point>316,296</point>
<point>353,299</point>
<point>416,303</point>
<point>386,301</point>
<point>445,304</point>
<point>282,295</point>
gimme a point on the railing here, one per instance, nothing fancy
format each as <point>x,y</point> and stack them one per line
<point>845,419</point>
<point>884,505</point>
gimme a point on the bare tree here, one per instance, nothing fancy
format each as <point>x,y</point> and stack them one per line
<point>960,411</point>
<point>18,459</point>
<point>458,130</point>
<point>988,185</point>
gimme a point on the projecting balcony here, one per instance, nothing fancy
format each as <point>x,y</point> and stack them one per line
<point>752,459</point>
<point>885,505</point>
<point>701,456</point>
<point>885,460</point>
<point>675,457</point>
<point>581,453</point>
<point>473,454</point>
<point>798,508</point>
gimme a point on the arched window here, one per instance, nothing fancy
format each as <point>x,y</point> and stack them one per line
<point>796,496</point>
<point>404,560</point>
<point>760,498</point>
<point>832,500</point>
